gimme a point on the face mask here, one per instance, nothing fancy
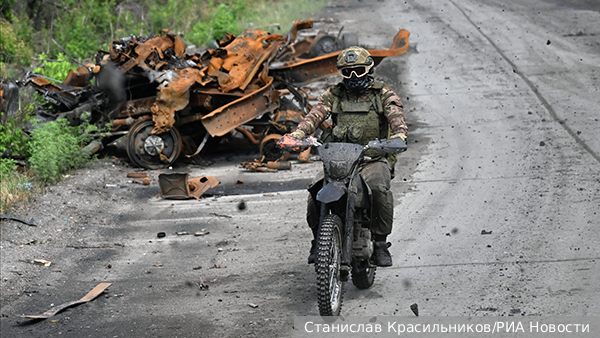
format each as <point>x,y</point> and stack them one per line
<point>357,84</point>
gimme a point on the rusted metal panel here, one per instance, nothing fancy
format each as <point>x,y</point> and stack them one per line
<point>310,70</point>
<point>137,107</point>
<point>198,186</point>
<point>225,119</point>
<point>174,185</point>
<point>79,78</point>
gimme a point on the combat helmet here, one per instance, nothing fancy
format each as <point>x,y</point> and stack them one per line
<point>354,64</point>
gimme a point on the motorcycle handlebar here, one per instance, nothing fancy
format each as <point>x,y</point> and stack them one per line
<point>389,146</point>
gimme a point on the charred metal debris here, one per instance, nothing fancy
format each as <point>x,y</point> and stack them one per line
<point>167,103</point>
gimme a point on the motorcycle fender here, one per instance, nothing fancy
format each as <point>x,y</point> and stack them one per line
<point>330,193</point>
<point>314,188</point>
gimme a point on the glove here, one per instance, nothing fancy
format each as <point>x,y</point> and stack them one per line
<point>290,143</point>
<point>298,134</point>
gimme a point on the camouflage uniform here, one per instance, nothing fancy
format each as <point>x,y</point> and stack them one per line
<point>375,112</point>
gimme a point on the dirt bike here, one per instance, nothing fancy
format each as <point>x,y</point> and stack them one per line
<point>344,244</point>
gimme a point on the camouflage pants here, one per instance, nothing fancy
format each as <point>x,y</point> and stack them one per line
<point>378,176</point>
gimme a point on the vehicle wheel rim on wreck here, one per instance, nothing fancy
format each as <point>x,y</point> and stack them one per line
<point>152,151</point>
<point>270,150</point>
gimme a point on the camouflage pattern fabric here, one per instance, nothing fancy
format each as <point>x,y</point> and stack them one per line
<point>393,110</point>
<point>377,173</point>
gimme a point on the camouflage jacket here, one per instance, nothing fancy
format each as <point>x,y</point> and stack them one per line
<point>393,110</point>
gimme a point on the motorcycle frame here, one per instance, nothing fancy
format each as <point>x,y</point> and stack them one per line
<point>346,203</point>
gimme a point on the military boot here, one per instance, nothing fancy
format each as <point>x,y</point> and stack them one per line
<point>381,255</point>
<point>312,257</point>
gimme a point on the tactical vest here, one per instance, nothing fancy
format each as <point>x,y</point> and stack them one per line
<point>358,122</point>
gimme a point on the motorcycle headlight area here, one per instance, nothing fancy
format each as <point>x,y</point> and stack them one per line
<point>338,169</point>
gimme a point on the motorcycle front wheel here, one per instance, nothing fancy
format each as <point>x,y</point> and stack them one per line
<point>329,256</point>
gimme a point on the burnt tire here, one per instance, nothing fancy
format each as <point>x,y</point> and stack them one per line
<point>152,151</point>
<point>328,264</point>
<point>364,279</point>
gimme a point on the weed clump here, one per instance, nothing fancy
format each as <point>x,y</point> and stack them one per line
<point>56,148</point>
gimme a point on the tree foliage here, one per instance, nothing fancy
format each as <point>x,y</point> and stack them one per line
<point>15,42</point>
<point>81,27</point>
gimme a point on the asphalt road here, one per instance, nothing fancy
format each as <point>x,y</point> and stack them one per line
<point>497,198</point>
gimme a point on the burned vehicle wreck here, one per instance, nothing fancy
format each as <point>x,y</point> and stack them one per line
<point>168,104</point>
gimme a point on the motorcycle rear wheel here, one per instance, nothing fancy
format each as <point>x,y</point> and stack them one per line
<point>363,279</point>
<point>329,256</point>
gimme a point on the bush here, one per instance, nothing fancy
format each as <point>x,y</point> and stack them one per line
<point>12,137</point>
<point>200,34</point>
<point>14,47</point>
<point>55,69</point>
<point>223,21</point>
<point>56,148</point>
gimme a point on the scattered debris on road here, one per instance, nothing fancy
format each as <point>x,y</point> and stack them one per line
<point>242,205</point>
<point>179,186</point>
<point>89,297</point>
<point>42,262</point>
<point>415,309</point>
<point>217,266</point>
<point>137,175</point>
<point>202,286</point>
<point>269,166</point>
<point>219,215</point>
<point>8,216</point>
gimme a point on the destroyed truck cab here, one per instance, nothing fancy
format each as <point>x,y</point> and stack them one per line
<point>167,103</point>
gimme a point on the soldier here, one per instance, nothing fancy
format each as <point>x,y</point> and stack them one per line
<point>361,109</point>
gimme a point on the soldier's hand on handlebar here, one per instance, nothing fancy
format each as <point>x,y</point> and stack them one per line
<point>291,142</point>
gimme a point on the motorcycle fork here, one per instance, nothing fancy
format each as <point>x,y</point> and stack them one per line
<point>343,208</point>
<point>349,222</point>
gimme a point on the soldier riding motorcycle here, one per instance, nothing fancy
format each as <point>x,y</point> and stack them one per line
<point>361,110</point>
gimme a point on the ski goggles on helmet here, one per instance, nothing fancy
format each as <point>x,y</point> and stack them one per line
<point>358,71</point>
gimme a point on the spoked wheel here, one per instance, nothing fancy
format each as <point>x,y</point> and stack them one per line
<point>329,256</point>
<point>364,279</point>
<point>152,151</point>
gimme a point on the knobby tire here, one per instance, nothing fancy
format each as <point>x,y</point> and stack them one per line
<point>329,255</point>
